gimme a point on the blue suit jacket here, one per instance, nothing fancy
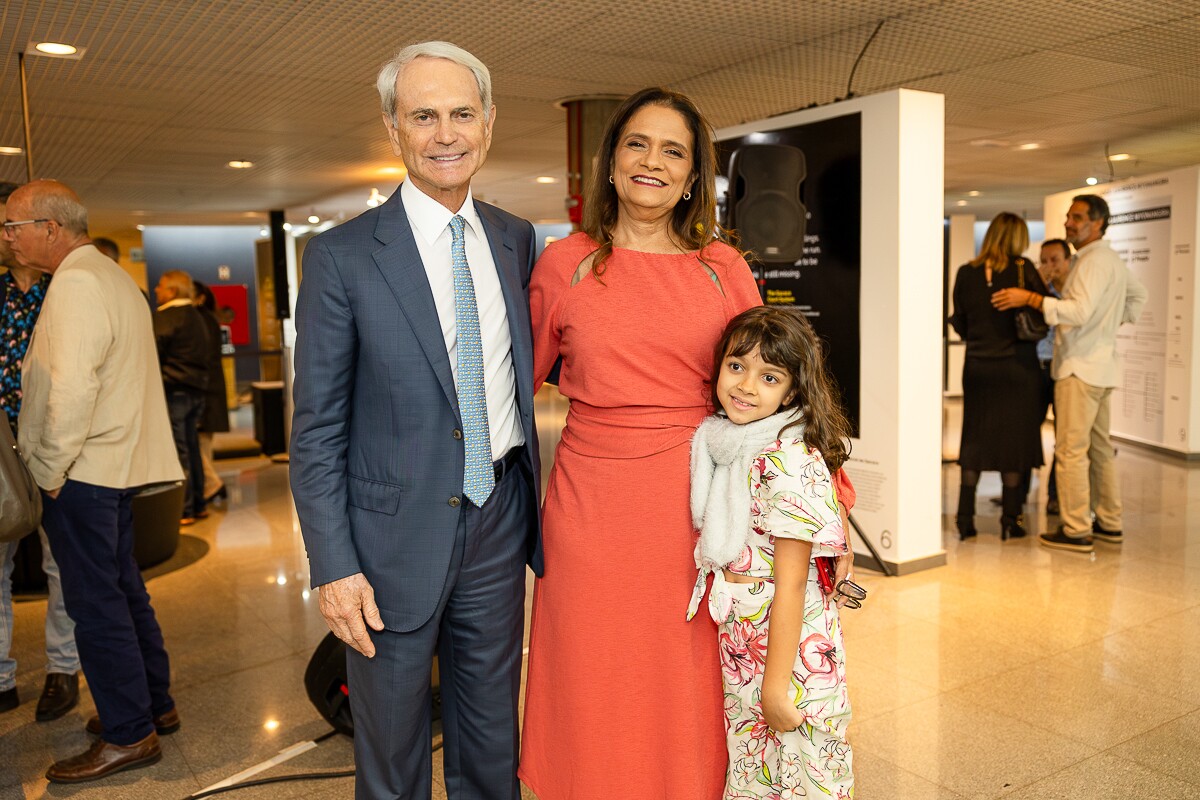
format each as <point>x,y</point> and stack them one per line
<point>376,457</point>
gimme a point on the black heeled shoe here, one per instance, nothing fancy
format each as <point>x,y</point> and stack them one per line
<point>221,493</point>
<point>1011,528</point>
<point>966,527</point>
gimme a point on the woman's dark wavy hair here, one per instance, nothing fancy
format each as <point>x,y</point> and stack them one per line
<point>785,339</point>
<point>693,222</point>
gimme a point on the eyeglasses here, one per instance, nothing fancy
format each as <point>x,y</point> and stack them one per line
<point>853,593</point>
<point>8,226</point>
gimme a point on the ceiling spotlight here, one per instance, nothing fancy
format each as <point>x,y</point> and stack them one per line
<point>287,226</point>
<point>262,231</point>
<point>1120,157</point>
<point>56,48</point>
<point>140,227</point>
<point>313,219</point>
<point>1029,146</point>
<point>974,193</point>
<point>1092,181</point>
<point>376,198</point>
<point>240,164</point>
<point>546,179</point>
<point>10,151</point>
<point>391,171</point>
<point>961,203</point>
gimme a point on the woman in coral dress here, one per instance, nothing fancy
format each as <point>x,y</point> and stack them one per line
<point>624,695</point>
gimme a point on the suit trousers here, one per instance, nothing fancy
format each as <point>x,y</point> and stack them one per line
<point>185,408</point>
<point>1083,455</point>
<point>120,644</point>
<point>477,632</point>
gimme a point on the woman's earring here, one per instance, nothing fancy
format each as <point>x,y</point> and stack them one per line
<point>610,180</point>
<point>687,195</point>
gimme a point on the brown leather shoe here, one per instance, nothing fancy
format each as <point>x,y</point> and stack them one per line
<point>59,695</point>
<point>103,758</point>
<point>164,724</point>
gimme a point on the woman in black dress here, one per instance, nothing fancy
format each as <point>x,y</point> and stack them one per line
<point>215,418</point>
<point>1002,412</point>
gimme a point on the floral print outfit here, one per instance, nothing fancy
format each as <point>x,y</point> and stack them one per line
<point>792,496</point>
<point>18,314</point>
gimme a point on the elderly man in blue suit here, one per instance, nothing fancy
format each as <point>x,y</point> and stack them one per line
<point>414,455</point>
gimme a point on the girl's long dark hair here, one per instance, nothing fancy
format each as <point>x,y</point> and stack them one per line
<point>785,339</point>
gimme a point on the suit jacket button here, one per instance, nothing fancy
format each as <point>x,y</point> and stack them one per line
<point>453,501</point>
<point>457,433</point>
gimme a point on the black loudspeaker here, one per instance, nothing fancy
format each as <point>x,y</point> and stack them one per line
<point>279,270</point>
<point>764,200</point>
<point>325,682</point>
<point>328,690</point>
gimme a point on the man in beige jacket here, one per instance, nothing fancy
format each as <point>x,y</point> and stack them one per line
<point>93,428</point>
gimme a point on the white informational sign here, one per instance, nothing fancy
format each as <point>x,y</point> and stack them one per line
<point>1153,226</point>
<point>896,461</point>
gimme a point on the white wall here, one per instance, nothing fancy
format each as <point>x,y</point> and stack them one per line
<point>896,464</point>
<point>1156,402</point>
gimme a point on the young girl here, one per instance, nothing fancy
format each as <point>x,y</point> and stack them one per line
<point>766,505</point>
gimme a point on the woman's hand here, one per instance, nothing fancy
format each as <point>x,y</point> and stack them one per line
<point>1005,299</point>
<point>779,712</point>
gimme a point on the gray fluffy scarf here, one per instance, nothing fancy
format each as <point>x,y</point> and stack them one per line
<point>722,454</point>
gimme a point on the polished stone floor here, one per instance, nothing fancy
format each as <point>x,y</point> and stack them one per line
<point>1011,672</point>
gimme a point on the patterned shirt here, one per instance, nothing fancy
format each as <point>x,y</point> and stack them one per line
<point>18,314</point>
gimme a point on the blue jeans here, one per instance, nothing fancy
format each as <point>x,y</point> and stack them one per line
<point>61,654</point>
<point>120,644</point>
<point>185,408</point>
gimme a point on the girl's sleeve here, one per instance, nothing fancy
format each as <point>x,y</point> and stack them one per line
<point>802,501</point>
<point>547,287</point>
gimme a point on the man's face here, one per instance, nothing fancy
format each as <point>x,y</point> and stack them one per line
<point>26,245</point>
<point>163,293</point>
<point>1081,229</point>
<point>1053,261</point>
<point>6,256</point>
<point>440,129</point>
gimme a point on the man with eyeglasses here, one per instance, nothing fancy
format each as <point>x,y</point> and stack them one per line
<point>21,293</point>
<point>93,428</point>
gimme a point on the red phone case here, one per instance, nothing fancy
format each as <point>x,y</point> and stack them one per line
<point>826,572</point>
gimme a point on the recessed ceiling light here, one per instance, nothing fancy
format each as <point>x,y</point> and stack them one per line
<point>1030,146</point>
<point>287,226</point>
<point>1092,181</point>
<point>56,48</point>
<point>546,179</point>
<point>313,219</point>
<point>262,231</point>
<point>974,193</point>
<point>961,203</point>
<point>1120,157</point>
<point>10,151</point>
<point>240,164</point>
<point>140,227</point>
<point>392,171</point>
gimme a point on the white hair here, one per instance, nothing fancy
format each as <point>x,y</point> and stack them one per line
<point>386,82</point>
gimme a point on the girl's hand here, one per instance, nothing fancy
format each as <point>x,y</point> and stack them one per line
<point>780,714</point>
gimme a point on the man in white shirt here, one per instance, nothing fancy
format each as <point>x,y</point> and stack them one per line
<point>414,458</point>
<point>1100,295</point>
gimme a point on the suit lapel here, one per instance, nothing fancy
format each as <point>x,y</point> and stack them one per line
<point>516,304</point>
<point>400,262</point>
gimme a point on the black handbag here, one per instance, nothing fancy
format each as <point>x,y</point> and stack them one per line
<point>1031,324</point>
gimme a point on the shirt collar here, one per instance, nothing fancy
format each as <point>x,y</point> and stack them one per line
<point>430,218</point>
<point>178,301</point>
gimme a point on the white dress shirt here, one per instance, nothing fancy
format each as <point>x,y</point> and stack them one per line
<point>430,221</point>
<point>1100,294</point>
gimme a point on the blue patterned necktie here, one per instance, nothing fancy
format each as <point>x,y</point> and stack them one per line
<point>479,477</point>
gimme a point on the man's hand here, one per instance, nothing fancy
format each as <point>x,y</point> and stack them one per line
<point>345,604</point>
<point>1005,299</point>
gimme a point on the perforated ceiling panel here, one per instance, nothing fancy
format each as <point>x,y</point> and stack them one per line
<point>169,91</point>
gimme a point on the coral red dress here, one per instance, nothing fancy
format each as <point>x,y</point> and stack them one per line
<point>624,695</point>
